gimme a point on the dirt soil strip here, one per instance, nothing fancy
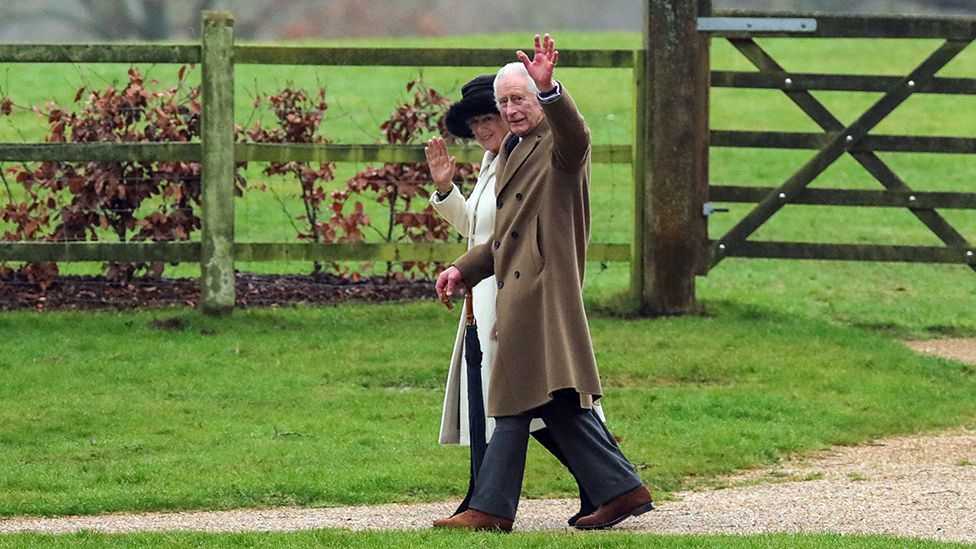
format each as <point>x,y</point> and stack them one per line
<point>915,486</point>
<point>961,349</point>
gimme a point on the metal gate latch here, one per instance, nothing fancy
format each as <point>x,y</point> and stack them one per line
<point>708,209</point>
<point>756,24</point>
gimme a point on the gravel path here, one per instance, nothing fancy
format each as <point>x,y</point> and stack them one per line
<point>916,486</point>
<point>962,349</point>
<point>919,486</point>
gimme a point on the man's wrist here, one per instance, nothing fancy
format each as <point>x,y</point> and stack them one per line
<point>552,95</point>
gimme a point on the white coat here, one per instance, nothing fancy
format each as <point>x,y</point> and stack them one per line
<point>474,218</point>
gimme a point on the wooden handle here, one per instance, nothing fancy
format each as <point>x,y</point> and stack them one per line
<point>446,300</point>
<point>468,308</point>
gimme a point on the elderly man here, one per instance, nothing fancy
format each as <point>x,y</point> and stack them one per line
<point>544,364</point>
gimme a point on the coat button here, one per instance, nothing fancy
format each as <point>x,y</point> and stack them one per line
<point>518,196</point>
<point>500,284</point>
<point>514,234</point>
<point>497,244</point>
<point>517,274</point>
<point>499,203</point>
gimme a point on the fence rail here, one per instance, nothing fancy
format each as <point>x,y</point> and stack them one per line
<point>244,152</point>
<point>816,141</point>
<point>100,53</point>
<point>418,57</point>
<point>295,55</point>
<point>172,252</point>
<point>101,152</point>
<point>601,154</point>
<point>850,197</point>
<point>854,252</point>
<point>788,81</point>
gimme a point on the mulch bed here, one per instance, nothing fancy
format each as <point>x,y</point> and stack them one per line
<point>93,292</point>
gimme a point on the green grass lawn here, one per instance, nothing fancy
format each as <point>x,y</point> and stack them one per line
<point>104,412</point>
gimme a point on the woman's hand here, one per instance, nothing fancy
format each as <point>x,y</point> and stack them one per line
<point>441,164</point>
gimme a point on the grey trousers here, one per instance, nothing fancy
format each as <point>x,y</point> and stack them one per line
<point>589,448</point>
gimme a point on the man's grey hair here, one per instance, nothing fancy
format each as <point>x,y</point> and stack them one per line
<point>515,68</point>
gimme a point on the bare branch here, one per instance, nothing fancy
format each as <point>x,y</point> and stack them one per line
<point>10,195</point>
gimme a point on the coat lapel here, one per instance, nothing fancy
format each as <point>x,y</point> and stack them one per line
<point>509,165</point>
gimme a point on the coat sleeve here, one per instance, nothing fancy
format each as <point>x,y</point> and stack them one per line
<point>570,135</point>
<point>454,209</point>
<point>476,265</point>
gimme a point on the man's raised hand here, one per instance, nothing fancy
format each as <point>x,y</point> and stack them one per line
<point>543,62</point>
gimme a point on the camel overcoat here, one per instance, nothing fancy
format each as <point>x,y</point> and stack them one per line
<point>538,257</point>
<point>474,218</point>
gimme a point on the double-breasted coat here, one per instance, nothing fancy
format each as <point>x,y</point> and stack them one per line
<point>474,218</point>
<point>538,256</point>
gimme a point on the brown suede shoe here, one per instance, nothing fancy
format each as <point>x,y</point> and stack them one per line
<point>633,503</point>
<point>475,520</point>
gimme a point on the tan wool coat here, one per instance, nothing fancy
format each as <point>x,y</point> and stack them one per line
<point>474,217</point>
<point>538,256</point>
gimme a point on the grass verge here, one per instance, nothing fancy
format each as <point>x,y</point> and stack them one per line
<point>109,412</point>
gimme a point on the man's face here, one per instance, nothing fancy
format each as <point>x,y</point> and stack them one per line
<point>517,105</point>
<point>489,130</point>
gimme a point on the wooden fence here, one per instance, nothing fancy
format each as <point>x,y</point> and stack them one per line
<point>217,250</point>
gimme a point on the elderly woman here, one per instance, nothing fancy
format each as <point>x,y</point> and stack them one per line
<point>476,115</point>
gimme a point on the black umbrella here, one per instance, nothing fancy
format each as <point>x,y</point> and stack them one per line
<point>476,404</point>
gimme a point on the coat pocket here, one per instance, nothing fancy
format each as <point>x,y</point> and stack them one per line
<point>535,246</point>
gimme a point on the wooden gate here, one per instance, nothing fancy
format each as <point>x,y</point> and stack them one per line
<point>836,140</point>
<point>854,139</point>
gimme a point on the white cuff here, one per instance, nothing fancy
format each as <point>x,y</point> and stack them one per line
<point>437,197</point>
<point>550,97</point>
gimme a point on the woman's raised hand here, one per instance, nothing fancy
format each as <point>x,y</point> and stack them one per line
<point>442,164</point>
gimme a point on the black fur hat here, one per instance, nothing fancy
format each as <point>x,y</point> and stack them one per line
<point>477,98</point>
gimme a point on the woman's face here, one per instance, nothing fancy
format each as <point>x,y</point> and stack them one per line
<point>489,130</point>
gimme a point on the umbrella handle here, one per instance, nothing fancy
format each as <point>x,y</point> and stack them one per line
<point>468,308</point>
<point>446,300</point>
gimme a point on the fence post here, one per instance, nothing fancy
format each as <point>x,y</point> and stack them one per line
<point>638,163</point>
<point>674,184</point>
<point>217,185</point>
